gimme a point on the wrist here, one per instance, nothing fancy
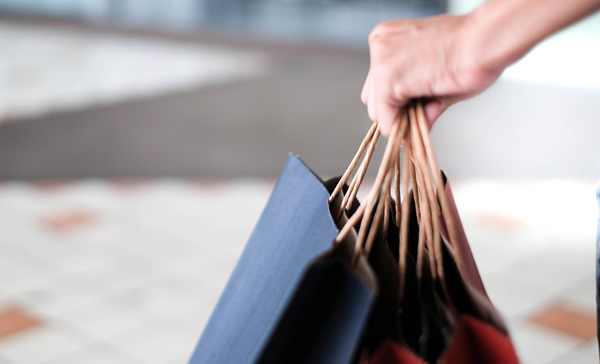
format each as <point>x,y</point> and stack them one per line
<point>486,45</point>
<point>500,32</point>
<point>471,60</point>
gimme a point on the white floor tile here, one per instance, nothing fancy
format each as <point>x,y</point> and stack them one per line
<point>181,360</point>
<point>78,257</point>
<point>10,253</point>
<point>95,354</point>
<point>176,294</point>
<point>542,271</point>
<point>125,273</point>
<point>590,349</point>
<point>27,273</point>
<point>3,296</point>
<point>5,360</point>
<point>62,294</point>
<point>37,241</point>
<point>514,297</point>
<point>539,346</point>
<point>109,317</point>
<point>43,343</point>
<point>493,256</point>
<point>196,318</point>
<point>582,293</point>
<point>575,357</point>
<point>157,342</point>
<point>177,256</point>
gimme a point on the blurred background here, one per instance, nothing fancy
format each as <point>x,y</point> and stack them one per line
<point>135,133</point>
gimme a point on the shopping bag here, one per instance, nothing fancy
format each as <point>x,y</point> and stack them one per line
<point>326,319</point>
<point>337,309</point>
<point>466,290</point>
<point>479,334</point>
<point>420,325</point>
<point>382,322</point>
<point>472,329</point>
<point>473,342</point>
<point>295,227</point>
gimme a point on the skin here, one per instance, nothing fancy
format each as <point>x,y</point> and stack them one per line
<point>447,59</point>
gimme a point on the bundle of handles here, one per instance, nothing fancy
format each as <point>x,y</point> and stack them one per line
<point>415,166</point>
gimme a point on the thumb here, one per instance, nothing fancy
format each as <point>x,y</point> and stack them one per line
<point>433,109</point>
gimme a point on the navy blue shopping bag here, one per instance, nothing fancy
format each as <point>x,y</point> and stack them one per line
<point>295,227</point>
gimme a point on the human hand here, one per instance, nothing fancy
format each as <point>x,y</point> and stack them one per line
<point>434,59</point>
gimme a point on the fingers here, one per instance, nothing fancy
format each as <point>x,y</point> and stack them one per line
<point>367,96</point>
<point>386,113</point>
<point>422,59</point>
<point>364,95</point>
<point>381,105</point>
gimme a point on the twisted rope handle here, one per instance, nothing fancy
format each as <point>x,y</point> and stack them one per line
<point>429,206</point>
<point>359,176</point>
<point>374,128</point>
<point>404,218</point>
<point>418,164</point>
<point>422,124</point>
<point>365,209</point>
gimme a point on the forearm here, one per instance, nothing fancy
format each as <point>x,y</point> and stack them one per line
<point>500,32</point>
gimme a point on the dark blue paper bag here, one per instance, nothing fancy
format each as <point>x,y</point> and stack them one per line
<point>295,227</point>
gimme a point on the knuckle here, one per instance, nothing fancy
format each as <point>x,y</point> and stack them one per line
<point>371,114</point>
<point>371,111</point>
<point>378,32</point>
<point>374,37</point>
<point>399,91</point>
<point>381,72</point>
<point>411,27</point>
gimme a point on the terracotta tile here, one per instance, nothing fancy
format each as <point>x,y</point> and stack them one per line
<point>50,186</point>
<point>67,221</point>
<point>566,319</point>
<point>208,184</point>
<point>128,185</point>
<point>13,320</point>
<point>500,221</point>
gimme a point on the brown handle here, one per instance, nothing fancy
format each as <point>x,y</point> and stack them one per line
<point>368,139</point>
<point>420,164</point>
<point>366,208</point>
<point>421,121</point>
<point>360,175</point>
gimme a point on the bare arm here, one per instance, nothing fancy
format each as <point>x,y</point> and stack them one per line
<point>447,59</point>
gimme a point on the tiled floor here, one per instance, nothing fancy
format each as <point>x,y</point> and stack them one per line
<point>127,272</point>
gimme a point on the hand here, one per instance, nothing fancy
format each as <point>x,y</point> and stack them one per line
<point>432,58</point>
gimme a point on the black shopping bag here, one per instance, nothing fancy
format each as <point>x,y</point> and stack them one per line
<point>457,323</point>
<point>325,320</point>
<point>295,227</point>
